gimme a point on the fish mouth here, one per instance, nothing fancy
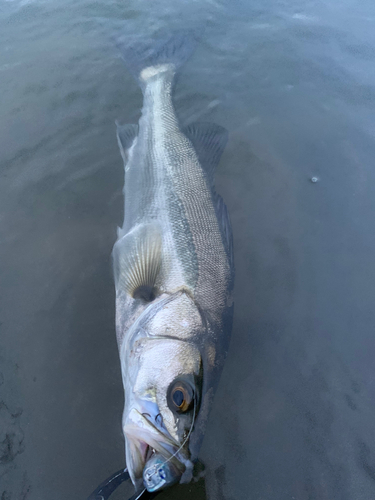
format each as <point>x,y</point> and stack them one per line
<point>153,457</point>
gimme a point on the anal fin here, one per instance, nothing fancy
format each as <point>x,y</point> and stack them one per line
<point>126,135</point>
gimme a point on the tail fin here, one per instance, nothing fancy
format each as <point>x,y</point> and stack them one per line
<point>148,57</point>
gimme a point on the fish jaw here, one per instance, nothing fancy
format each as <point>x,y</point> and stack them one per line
<point>150,449</point>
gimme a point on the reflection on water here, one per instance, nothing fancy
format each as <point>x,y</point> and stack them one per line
<point>294,83</point>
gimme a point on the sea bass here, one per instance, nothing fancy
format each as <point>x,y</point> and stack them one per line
<point>174,273</point>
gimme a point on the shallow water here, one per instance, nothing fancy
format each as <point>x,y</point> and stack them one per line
<point>294,83</point>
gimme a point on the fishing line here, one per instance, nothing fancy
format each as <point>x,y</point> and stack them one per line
<point>177,451</point>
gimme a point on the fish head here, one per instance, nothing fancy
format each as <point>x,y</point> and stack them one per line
<point>159,414</point>
<point>164,372</point>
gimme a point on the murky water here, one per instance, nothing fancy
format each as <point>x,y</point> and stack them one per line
<point>294,83</point>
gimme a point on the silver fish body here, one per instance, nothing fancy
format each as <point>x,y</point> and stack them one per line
<point>173,265</point>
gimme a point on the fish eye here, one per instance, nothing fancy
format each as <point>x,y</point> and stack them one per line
<point>180,397</point>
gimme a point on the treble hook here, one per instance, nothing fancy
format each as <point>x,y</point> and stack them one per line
<point>107,487</point>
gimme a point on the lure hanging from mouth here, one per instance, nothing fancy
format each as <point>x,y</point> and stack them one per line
<point>110,485</point>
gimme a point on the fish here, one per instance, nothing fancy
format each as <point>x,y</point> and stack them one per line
<point>173,272</point>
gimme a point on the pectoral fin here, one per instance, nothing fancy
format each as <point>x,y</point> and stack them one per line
<point>137,261</point>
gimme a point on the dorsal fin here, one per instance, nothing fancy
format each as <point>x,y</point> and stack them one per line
<point>209,141</point>
<point>137,261</point>
<point>126,134</point>
<point>226,227</point>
